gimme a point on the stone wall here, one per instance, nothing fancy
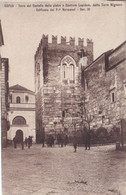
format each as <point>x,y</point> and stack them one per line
<point>58,101</point>
<point>106,90</point>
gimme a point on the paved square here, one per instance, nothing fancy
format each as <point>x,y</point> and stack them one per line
<point>60,171</point>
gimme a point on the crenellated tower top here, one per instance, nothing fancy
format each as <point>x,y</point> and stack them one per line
<point>64,43</point>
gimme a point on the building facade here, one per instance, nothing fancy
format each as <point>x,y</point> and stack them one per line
<point>105,89</point>
<point>4,100</point>
<point>21,113</point>
<point>4,89</point>
<point>58,83</point>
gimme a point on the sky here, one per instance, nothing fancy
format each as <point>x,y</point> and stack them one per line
<point>23,29</point>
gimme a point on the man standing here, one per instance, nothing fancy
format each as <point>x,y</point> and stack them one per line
<point>75,141</point>
<point>87,143</point>
<point>26,141</point>
<point>29,142</point>
<point>15,142</point>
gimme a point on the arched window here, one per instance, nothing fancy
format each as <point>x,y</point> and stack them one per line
<point>18,100</point>
<point>68,65</point>
<point>72,72</point>
<point>64,71</point>
<point>19,120</point>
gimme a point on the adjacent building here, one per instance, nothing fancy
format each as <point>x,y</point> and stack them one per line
<point>105,89</point>
<point>21,113</point>
<point>4,70</point>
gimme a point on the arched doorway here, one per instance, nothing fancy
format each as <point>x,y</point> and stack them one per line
<point>19,136</point>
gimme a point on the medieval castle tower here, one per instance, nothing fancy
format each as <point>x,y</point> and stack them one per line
<point>59,83</point>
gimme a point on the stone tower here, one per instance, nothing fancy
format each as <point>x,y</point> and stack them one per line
<point>58,84</point>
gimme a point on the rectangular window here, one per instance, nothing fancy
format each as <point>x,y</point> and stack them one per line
<point>26,98</point>
<point>10,98</point>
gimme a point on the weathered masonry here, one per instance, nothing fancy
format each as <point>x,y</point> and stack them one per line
<point>105,88</point>
<point>59,83</point>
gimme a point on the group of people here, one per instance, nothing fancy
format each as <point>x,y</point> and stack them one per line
<point>62,140</point>
<point>27,142</point>
<point>87,141</point>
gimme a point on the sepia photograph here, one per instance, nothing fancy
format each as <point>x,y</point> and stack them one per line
<point>63,97</point>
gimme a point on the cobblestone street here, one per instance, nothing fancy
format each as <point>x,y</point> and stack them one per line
<point>60,171</point>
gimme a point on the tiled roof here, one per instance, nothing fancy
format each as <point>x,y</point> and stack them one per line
<point>19,88</point>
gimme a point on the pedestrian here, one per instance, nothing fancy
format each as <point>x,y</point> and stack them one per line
<point>15,141</point>
<point>88,138</point>
<point>51,140</point>
<point>65,140</point>
<point>43,138</point>
<point>29,142</point>
<point>75,142</point>
<point>59,139</point>
<point>62,140</point>
<point>22,145</point>
<point>26,141</point>
<point>43,141</point>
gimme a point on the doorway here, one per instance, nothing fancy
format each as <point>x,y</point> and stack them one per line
<point>19,136</point>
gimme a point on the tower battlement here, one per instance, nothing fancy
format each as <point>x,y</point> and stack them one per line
<point>63,43</point>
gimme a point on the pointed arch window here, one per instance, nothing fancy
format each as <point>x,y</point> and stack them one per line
<point>68,66</point>
<point>72,72</point>
<point>64,71</point>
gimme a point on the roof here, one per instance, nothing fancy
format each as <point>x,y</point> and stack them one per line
<point>103,54</point>
<point>1,35</point>
<point>20,88</point>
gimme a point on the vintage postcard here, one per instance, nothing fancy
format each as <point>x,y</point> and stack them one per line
<point>63,97</point>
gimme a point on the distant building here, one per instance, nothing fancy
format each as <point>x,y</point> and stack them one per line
<point>105,88</point>
<point>58,84</point>
<point>4,69</point>
<point>21,113</point>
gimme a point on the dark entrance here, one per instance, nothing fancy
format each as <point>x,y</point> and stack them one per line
<point>19,136</point>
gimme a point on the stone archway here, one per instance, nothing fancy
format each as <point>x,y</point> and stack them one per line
<point>19,136</point>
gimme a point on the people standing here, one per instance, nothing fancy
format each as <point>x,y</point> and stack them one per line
<point>43,141</point>
<point>43,138</point>
<point>62,140</point>
<point>59,139</point>
<point>87,142</point>
<point>22,144</point>
<point>75,142</point>
<point>29,142</point>
<point>15,141</point>
<point>26,141</point>
<point>65,140</point>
